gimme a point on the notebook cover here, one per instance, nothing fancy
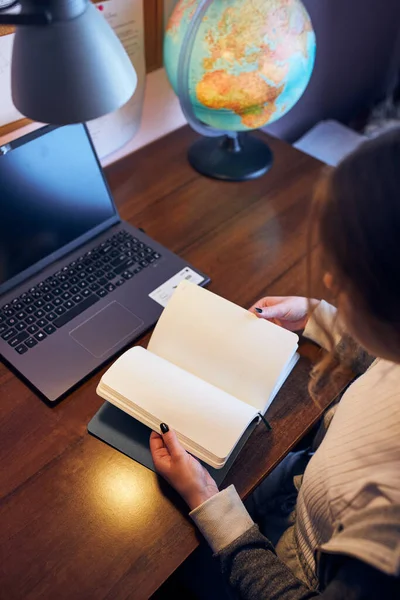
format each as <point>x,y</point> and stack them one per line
<point>124,433</point>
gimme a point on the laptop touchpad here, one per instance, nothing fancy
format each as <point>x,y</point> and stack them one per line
<point>106,329</point>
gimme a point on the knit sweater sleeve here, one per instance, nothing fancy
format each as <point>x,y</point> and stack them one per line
<point>346,349</point>
<point>254,572</point>
<point>323,317</point>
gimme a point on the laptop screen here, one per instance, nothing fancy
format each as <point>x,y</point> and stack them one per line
<point>52,192</point>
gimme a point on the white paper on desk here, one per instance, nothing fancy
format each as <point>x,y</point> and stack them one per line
<point>111,132</point>
<point>8,112</point>
<point>329,141</point>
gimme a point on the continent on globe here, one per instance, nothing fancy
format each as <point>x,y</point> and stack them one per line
<point>247,95</point>
<point>251,62</point>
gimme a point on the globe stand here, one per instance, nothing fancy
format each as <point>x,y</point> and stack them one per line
<point>232,158</point>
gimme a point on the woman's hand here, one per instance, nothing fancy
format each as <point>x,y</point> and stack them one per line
<point>289,312</point>
<point>180,469</point>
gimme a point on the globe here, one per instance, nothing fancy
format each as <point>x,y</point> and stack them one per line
<point>251,62</point>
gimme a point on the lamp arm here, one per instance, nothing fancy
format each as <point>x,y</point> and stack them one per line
<point>26,19</point>
<point>184,74</point>
<point>46,13</point>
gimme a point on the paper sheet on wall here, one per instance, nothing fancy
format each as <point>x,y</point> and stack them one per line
<point>111,132</point>
<point>8,112</point>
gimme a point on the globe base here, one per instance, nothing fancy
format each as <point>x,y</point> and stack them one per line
<point>237,158</point>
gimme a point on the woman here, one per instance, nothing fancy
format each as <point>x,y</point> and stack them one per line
<point>343,540</point>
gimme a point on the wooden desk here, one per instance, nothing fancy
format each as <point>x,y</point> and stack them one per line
<point>78,519</point>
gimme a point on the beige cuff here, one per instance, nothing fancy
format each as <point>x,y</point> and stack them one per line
<point>222,518</point>
<point>325,314</point>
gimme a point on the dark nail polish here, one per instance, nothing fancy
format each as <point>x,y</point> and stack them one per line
<point>164,428</point>
<point>259,310</point>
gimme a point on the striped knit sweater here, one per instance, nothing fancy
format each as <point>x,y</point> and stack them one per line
<point>350,486</point>
<point>355,470</point>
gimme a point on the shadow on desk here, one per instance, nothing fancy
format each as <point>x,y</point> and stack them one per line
<point>199,572</point>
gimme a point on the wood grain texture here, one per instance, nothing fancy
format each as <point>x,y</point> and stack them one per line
<point>79,520</point>
<point>154,33</point>
<point>6,30</point>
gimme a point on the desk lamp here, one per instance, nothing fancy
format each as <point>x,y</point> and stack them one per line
<point>236,66</point>
<point>68,66</point>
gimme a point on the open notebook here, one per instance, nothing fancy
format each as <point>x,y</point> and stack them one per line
<point>210,368</point>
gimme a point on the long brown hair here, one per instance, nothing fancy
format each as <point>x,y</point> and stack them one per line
<point>356,217</point>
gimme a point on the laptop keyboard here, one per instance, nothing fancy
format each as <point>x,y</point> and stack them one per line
<point>34,315</point>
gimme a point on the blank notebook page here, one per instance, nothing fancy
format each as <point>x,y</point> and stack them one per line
<point>208,416</point>
<point>223,344</point>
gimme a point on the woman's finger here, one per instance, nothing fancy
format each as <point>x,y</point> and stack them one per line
<point>279,311</point>
<point>172,443</point>
<point>156,442</point>
<point>268,302</point>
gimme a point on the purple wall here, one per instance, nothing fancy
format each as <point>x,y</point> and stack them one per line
<point>358,51</point>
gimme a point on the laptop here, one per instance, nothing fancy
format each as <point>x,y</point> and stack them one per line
<point>77,284</point>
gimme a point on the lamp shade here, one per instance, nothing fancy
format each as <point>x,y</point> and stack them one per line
<point>71,70</point>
